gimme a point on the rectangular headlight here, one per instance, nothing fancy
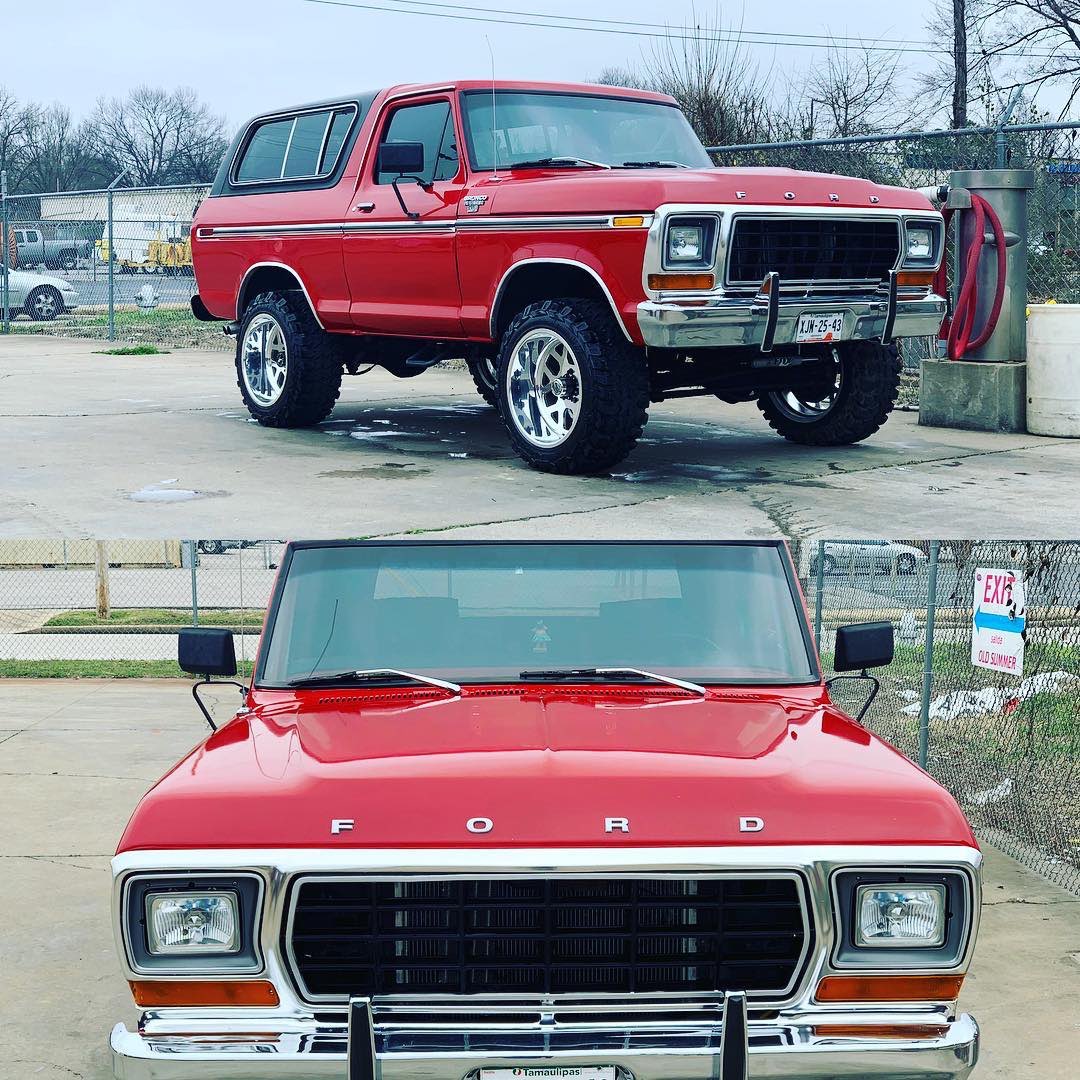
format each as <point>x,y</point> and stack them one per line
<point>192,922</point>
<point>900,916</point>
<point>690,242</point>
<point>920,243</point>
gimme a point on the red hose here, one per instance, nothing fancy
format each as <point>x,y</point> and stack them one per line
<point>958,330</point>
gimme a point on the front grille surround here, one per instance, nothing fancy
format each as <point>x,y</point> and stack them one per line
<point>591,920</point>
<point>875,245</point>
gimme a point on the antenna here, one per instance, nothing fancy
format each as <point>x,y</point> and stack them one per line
<point>494,132</point>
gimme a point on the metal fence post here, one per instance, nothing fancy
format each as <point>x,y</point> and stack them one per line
<point>820,586</point>
<point>5,315</point>
<point>928,659</point>
<point>192,558</point>
<point>101,580</point>
<point>111,273</point>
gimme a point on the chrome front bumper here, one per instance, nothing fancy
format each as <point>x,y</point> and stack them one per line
<point>725,321</point>
<point>774,1048</point>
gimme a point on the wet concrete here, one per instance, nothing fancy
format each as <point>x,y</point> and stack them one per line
<point>152,446</point>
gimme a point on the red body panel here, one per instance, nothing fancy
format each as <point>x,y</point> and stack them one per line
<point>442,286</point>
<point>547,766</point>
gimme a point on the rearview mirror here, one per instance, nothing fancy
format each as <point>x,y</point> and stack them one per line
<point>863,645</point>
<point>207,650</point>
<point>401,158</point>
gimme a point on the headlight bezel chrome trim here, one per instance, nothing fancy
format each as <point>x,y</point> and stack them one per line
<point>936,228</point>
<point>249,889</point>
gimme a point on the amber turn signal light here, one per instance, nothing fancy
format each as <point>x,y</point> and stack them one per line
<point>922,278</point>
<point>889,988</point>
<point>149,994</point>
<point>667,282</point>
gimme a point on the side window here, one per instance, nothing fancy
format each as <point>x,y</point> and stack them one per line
<point>295,147</point>
<point>20,238</point>
<point>431,124</point>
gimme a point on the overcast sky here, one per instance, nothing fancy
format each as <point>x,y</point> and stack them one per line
<point>244,56</point>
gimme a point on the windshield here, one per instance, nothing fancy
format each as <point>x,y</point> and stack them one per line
<point>609,130</point>
<point>488,612</point>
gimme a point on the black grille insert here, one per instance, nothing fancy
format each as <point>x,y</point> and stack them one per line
<point>547,936</point>
<point>803,249</point>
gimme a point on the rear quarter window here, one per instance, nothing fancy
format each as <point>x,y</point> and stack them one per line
<point>304,145</point>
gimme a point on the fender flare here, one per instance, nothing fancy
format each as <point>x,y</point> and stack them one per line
<point>278,266</point>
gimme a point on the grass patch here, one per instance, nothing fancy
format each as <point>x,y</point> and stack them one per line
<point>249,617</point>
<point>100,669</point>
<point>133,350</point>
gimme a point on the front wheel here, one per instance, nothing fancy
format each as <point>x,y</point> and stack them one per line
<point>44,304</point>
<point>573,392</point>
<point>858,390</point>
<point>287,367</point>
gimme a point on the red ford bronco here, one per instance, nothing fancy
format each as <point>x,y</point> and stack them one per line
<point>555,811</point>
<point>577,246</point>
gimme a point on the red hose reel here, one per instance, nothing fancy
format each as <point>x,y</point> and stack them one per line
<point>958,327</point>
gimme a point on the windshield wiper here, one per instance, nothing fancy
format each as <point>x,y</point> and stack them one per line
<point>384,675</point>
<point>654,165</point>
<point>558,162</point>
<point>623,673</point>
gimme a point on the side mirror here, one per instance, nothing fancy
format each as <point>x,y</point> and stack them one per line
<point>863,645</point>
<point>207,650</point>
<point>402,158</point>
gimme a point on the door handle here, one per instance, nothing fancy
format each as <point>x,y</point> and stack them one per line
<point>364,207</point>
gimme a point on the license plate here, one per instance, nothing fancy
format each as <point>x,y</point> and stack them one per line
<point>551,1072</point>
<point>826,327</point>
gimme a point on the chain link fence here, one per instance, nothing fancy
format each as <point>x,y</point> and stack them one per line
<point>111,264</point>
<point>1006,745</point>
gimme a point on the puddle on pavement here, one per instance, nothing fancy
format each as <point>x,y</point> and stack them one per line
<point>164,491</point>
<point>388,470</point>
<point>693,472</point>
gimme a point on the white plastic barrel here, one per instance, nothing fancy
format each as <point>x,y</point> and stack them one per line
<point>1053,370</point>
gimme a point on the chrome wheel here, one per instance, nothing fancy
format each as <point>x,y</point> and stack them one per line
<point>45,304</point>
<point>264,360</point>
<point>543,388</point>
<point>805,410</point>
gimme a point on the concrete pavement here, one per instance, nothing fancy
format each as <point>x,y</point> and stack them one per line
<point>75,756</point>
<point>97,445</point>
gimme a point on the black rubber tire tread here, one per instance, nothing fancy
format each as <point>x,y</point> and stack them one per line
<point>868,392</point>
<point>615,395</point>
<point>316,363</point>
<point>28,306</point>
<point>489,393</point>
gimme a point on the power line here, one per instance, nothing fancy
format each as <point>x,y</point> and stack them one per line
<point>624,28</point>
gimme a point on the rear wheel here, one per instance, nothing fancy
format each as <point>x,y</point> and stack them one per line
<point>857,392</point>
<point>828,564</point>
<point>44,304</point>
<point>573,392</point>
<point>287,367</point>
<point>905,563</point>
<point>484,370</point>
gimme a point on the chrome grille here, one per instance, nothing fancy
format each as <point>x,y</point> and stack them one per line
<point>539,936</point>
<point>804,249</point>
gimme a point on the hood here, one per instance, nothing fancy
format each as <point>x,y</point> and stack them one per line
<point>627,190</point>
<point>29,279</point>
<point>547,767</point>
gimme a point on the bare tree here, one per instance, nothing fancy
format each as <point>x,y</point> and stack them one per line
<point>158,136</point>
<point>16,121</point>
<point>706,67</point>
<point>857,91</point>
<point>59,155</point>
<point>960,64</point>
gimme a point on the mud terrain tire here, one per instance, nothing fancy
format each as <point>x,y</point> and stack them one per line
<point>869,384</point>
<point>607,374</point>
<point>302,391</point>
<point>484,372</point>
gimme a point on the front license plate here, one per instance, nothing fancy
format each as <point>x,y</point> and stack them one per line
<point>825,327</point>
<point>551,1072</point>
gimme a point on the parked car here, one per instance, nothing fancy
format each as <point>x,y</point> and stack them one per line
<point>577,246</point>
<point>216,547</point>
<point>505,809</point>
<point>56,254</point>
<point>868,556</point>
<point>39,296</point>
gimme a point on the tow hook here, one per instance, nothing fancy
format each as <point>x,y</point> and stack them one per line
<point>230,329</point>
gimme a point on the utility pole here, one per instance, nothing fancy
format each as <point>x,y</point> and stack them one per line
<point>960,65</point>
